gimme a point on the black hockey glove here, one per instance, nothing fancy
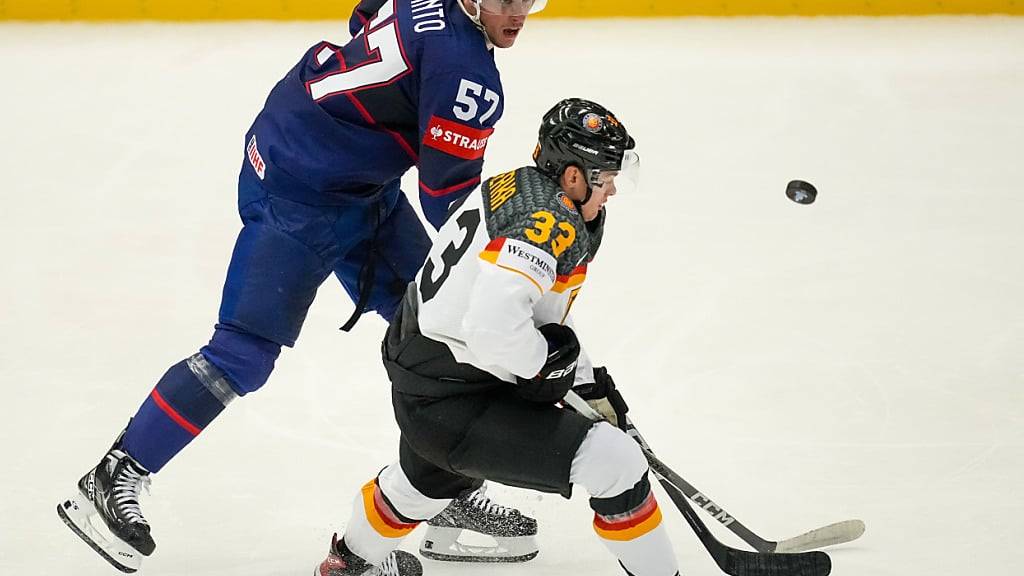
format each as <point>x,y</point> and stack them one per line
<point>603,397</point>
<point>559,371</point>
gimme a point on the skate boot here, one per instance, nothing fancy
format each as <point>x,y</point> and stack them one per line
<point>512,532</point>
<point>110,492</point>
<point>343,562</point>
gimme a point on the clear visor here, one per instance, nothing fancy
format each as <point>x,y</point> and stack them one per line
<point>625,179</point>
<point>512,7</point>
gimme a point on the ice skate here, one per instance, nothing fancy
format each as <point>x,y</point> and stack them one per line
<point>343,562</point>
<point>512,532</point>
<point>110,492</point>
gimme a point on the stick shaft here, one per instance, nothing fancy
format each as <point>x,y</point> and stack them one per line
<point>689,490</point>
<point>705,503</point>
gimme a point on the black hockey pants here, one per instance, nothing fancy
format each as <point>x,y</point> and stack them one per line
<point>461,425</point>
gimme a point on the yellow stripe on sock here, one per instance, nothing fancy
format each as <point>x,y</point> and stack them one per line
<point>631,532</point>
<point>376,519</point>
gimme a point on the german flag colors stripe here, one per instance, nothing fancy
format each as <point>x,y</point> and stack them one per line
<point>493,250</point>
<point>631,525</point>
<point>380,515</point>
<point>571,280</point>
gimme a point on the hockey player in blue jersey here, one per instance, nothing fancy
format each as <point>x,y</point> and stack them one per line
<point>318,194</point>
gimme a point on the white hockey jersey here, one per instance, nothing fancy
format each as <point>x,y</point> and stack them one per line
<point>511,258</point>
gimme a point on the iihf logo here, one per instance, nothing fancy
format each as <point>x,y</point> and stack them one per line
<point>436,132</point>
<point>255,158</point>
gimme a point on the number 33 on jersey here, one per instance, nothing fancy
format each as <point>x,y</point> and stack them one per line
<point>513,256</point>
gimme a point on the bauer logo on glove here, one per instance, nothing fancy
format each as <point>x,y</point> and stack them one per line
<point>554,374</point>
<point>559,370</point>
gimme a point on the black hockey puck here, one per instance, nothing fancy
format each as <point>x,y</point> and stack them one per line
<point>801,192</point>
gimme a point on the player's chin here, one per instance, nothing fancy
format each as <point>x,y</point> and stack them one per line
<point>507,37</point>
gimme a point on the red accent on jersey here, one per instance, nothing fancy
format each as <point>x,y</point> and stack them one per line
<point>456,139</point>
<point>495,245</point>
<point>445,191</point>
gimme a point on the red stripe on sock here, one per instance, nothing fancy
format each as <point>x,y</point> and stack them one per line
<point>637,516</point>
<point>173,414</point>
<point>389,516</point>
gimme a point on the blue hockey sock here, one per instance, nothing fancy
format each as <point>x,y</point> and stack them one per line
<point>187,399</point>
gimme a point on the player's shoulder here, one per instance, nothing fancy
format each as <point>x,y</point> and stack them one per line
<point>528,207</point>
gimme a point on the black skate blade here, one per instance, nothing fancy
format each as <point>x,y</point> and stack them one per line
<point>93,545</point>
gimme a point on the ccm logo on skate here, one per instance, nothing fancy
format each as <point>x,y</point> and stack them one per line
<point>456,139</point>
<point>559,373</point>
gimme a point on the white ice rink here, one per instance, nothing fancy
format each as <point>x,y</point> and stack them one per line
<point>862,357</point>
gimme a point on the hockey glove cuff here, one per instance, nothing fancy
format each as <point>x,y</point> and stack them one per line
<point>604,397</point>
<point>559,371</point>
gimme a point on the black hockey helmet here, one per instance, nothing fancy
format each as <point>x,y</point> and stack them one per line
<point>581,133</point>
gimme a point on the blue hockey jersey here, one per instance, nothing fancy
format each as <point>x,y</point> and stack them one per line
<point>415,86</point>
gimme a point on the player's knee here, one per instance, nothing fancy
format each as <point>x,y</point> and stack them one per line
<point>245,359</point>
<point>608,463</point>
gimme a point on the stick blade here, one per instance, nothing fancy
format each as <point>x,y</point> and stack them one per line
<point>838,533</point>
<point>743,563</point>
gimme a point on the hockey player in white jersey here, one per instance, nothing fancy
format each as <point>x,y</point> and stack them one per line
<point>482,350</point>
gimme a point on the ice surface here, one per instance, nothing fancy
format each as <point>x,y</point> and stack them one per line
<point>859,357</point>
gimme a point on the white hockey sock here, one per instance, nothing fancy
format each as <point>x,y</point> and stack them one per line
<point>639,540</point>
<point>611,466</point>
<point>387,509</point>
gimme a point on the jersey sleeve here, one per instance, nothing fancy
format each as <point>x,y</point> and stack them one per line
<point>584,366</point>
<point>362,14</point>
<point>457,114</point>
<point>499,321</point>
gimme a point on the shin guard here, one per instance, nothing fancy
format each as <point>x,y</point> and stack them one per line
<point>635,535</point>
<point>611,466</point>
<point>384,512</point>
<point>189,397</point>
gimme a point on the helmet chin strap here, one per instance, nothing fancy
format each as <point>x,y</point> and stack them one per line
<point>590,189</point>
<point>475,19</point>
<point>590,192</point>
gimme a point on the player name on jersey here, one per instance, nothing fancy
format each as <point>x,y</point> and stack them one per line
<point>428,15</point>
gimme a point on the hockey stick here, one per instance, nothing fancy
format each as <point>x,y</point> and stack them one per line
<point>837,533</point>
<point>730,560</point>
<point>741,562</point>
